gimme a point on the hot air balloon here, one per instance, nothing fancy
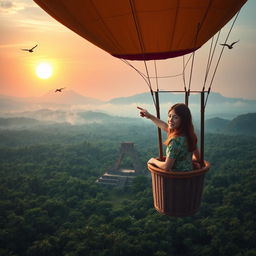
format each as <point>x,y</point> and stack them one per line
<point>152,30</point>
<point>144,29</point>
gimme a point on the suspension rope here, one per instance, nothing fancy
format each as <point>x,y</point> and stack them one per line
<point>157,87</point>
<point>211,54</point>
<point>199,26</point>
<point>193,58</point>
<point>150,85</point>
<point>191,72</point>
<point>137,70</point>
<point>183,73</point>
<point>208,64</point>
<point>142,48</point>
<point>214,73</point>
<point>180,74</point>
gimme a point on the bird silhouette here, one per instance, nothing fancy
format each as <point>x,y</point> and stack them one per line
<point>59,89</point>
<point>30,50</point>
<point>230,46</point>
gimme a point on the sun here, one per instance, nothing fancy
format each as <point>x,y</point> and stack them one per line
<point>44,70</point>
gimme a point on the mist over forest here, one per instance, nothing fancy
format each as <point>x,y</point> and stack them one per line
<point>73,103</point>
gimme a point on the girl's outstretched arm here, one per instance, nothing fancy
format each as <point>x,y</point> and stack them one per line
<point>159,123</point>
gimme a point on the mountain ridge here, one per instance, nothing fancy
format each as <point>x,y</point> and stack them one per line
<point>244,124</point>
<point>217,105</point>
<point>177,97</point>
<point>145,97</point>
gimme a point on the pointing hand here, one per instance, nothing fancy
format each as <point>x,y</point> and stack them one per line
<point>144,112</point>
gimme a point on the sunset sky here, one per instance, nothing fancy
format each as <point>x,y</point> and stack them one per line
<point>80,66</point>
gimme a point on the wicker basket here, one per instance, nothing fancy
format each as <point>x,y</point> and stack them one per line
<point>177,193</point>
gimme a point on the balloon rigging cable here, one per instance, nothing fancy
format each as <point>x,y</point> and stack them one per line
<point>212,50</point>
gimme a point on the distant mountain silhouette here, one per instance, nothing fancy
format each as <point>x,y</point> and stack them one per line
<point>67,97</point>
<point>216,125</point>
<point>45,115</point>
<point>145,98</point>
<point>243,125</point>
<point>17,122</point>
<point>48,116</point>
<point>8,103</point>
<point>92,115</point>
<point>64,99</point>
<point>217,106</point>
<point>100,117</point>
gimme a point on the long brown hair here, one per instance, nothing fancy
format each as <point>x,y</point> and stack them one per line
<point>186,127</point>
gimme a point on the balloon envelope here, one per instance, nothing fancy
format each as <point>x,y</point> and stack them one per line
<point>144,29</point>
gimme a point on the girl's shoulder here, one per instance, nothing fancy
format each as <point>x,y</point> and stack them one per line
<point>177,141</point>
<point>178,138</point>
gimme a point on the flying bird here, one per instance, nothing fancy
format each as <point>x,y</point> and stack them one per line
<point>230,46</point>
<point>59,89</point>
<point>30,50</point>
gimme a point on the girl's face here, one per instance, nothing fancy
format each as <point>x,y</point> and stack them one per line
<point>174,120</point>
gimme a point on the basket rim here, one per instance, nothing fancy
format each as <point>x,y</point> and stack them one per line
<point>156,170</point>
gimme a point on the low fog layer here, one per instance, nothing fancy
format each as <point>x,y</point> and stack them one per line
<point>68,106</point>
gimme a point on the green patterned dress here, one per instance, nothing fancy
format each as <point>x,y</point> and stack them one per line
<point>177,149</point>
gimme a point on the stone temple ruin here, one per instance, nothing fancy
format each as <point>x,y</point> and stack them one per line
<point>121,176</point>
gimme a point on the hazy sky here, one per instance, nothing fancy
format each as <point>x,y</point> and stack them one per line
<point>80,66</point>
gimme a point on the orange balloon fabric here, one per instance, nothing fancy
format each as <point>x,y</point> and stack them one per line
<point>144,29</point>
